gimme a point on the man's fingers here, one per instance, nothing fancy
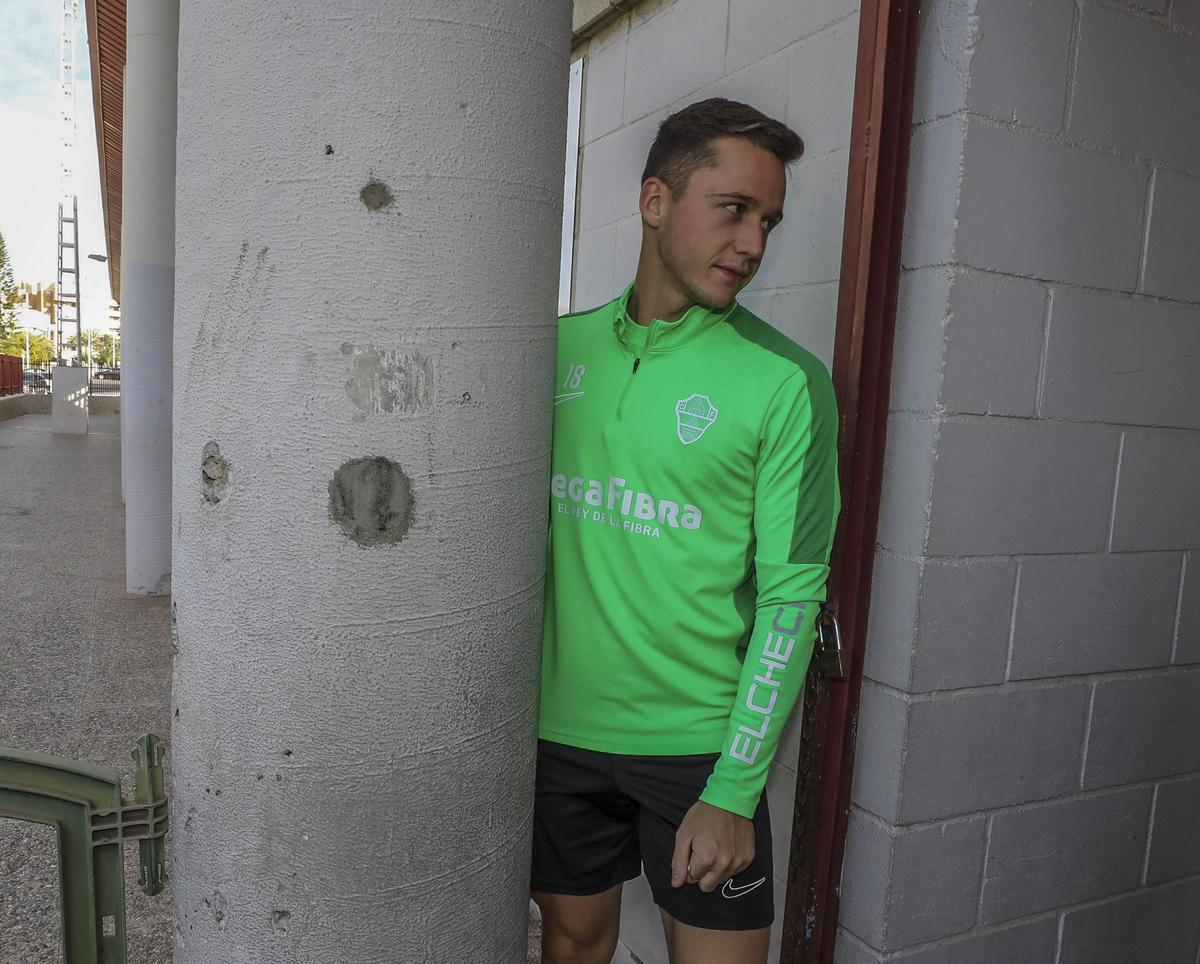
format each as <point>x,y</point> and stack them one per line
<point>714,878</point>
<point>679,861</point>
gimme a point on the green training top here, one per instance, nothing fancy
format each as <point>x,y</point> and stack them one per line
<point>693,500</point>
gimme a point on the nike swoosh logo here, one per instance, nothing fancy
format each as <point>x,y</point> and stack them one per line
<point>559,399</point>
<point>731,891</point>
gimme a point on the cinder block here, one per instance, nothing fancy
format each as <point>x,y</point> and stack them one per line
<point>821,87</point>
<point>891,626</point>
<point>919,346</point>
<point>1114,358</point>
<point>645,10</point>
<point>672,54</point>
<point>584,12</point>
<point>934,886</point>
<point>935,173</point>
<point>850,950</point>
<point>988,749</point>
<point>1173,249</point>
<point>807,247</point>
<point>629,250</point>
<point>907,471</point>
<point>1185,15</point>
<point>1158,926</point>
<point>610,173</point>
<point>1069,214</point>
<point>1143,728</point>
<point>1003,486</point>
<point>1175,840</point>
<point>1032,942</point>
<point>1187,642</point>
<point>762,84</point>
<point>962,629</point>
<point>593,267</point>
<point>760,27</point>
<point>866,869</point>
<point>757,302</point>
<point>788,754</point>
<point>641,924</point>
<point>1062,853</point>
<point>882,733</point>
<point>603,90</point>
<point>993,344</point>
<point>1038,35</point>
<point>1122,67</point>
<point>808,315</point>
<point>776,939</point>
<point>1158,500</point>
<point>1094,614</point>
<point>781,801</point>
<point>948,35</point>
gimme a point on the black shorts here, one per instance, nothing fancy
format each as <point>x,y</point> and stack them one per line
<point>599,818</point>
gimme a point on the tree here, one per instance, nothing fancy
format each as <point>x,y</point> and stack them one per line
<point>40,349</point>
<point>104,348</point>
<point>9,292</point>
<point>99,347</point>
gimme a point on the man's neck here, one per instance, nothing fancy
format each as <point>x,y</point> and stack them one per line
<point>651,298</point>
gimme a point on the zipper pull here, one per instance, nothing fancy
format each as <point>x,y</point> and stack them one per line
<point>636,362</point>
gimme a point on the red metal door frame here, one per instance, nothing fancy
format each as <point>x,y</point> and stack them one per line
<point>870,273</point>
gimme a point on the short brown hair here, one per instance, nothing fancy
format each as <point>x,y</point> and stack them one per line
<point>683,144</point>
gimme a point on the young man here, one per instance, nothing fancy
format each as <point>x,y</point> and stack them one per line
<point>693,502</point>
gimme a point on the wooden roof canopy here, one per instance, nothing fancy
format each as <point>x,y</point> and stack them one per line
<point>106,52</point>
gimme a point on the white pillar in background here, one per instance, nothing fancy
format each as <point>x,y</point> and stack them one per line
<point>148,289</point>
<point>368,212</point>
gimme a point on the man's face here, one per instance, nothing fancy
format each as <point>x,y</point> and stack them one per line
<point>712,240</point>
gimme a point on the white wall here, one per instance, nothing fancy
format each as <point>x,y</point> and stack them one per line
<point>794,62</point>
<point>1028,773</point>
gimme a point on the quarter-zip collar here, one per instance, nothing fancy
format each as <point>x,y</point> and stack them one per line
<point>659,335</point>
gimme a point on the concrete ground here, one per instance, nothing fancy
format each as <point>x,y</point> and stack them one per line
<point>84,668</point>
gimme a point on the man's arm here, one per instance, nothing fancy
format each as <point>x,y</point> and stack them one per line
<point>796,505</point>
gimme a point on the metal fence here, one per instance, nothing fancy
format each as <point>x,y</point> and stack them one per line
<point>101,381</point>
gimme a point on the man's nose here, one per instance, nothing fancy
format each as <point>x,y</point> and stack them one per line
<point>751,241</point>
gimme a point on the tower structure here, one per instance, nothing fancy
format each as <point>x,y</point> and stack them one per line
<point>67,293</point>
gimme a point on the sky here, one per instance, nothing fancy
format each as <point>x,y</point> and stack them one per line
<point>31,151</point>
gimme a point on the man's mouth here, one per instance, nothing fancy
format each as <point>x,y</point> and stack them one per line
<point>731,274</point>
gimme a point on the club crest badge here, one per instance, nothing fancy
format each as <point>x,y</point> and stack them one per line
<point>693,416</point>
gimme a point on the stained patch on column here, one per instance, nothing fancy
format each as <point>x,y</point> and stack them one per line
<point>371,499</point>
<point>376,195</point>
<point>214,473</point>
<point>385,380</point>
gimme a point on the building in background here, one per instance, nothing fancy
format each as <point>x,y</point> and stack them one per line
<point>39,297</point>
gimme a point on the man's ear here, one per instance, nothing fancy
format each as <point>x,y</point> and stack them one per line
<point>654,201</point>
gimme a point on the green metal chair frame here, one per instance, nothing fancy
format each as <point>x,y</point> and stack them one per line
<point>84,804</point>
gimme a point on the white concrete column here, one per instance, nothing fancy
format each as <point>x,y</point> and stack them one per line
<point>148,289</point>
<point>368,211</point>
<point>69,404</point>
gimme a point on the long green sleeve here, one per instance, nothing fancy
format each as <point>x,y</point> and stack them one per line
<point>796,504</point>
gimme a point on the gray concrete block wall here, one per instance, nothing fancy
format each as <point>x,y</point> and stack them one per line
<point>1032,691</point>
<point>793,61</point>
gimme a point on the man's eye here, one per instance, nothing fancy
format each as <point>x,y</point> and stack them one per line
<point>734,204</point>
